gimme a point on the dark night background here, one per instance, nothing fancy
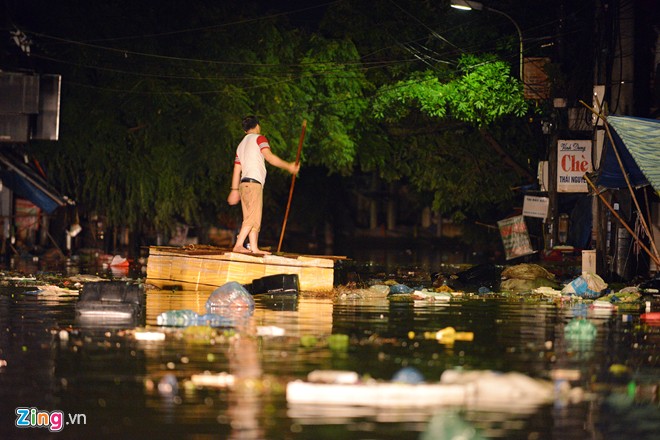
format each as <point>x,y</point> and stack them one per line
<point>153,92</point>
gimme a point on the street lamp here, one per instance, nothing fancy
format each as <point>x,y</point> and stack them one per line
<point>466,5</point>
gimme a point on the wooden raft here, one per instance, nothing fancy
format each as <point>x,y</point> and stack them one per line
<point>204,267</point>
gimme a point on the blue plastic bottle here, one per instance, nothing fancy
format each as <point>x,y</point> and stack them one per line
<point>214,320</point>
<point>177,318</point>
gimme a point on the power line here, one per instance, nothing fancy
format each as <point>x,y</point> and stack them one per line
<point>223,25</point>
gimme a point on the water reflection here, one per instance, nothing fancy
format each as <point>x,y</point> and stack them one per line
<point>131,388</point>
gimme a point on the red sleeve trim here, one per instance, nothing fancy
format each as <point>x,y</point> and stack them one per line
<point>262,142</point>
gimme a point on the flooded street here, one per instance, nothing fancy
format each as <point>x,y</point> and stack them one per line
<point>105,382</point>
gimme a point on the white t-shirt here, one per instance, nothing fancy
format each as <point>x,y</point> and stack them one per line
<point>248,154</point>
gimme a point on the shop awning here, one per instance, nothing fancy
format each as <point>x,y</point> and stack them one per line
<point>28,184</point>
<point>638,142</point>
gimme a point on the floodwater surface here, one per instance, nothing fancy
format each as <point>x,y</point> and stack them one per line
<point>95,379</point>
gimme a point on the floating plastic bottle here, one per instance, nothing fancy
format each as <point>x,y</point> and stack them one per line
<point>177,318</point>
<point>213,320</point>
<point>230,300</point>
<point>186,318</point>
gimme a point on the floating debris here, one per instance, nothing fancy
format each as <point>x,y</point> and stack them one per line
<point>547,291</point>
<point>230,299</point>
<point>449,335</point>
<point>651,318</point>
<point>580,329</point>
<point>64,335</point>
<point>565,374</point>
<point>338,342</point>
<point>430,296</point>
<point>149,336</point>
<point>379,290</point>
<point>400,289</point>
<point>587,285</point>
<point>333,376</point>
<point>270,330</point>
<point>219,380</point>
<point>51,290</point>
<point>476,388</point>
<point>308,341</point>
<point>409,375</point>
<point>168,385</point>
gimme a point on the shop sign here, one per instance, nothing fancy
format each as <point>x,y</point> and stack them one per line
<point>573,161</point>
<point>535,206</point>
<point>515,237</point>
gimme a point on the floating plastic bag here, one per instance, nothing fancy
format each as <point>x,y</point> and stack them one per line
<point>230,299</point>
<point>580,336</point>
<point>579,329</point>
<point>409,375</point>
<point>400,289</point>
<point>587,285</point>
<point>450,425</point>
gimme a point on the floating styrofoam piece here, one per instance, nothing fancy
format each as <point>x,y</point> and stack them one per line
<point>473,388</point>
<point>500,386</point>
<point>333,376</point>
<point>220,380</point>
<point>565,374</point>
<point>547,291</point>
<point>270,330</point>
<point>426,295</point>
<point>120,312</point>
<point>603,304</point>
<point>380,394</point>
<point>149,336</point>
<point>51,290</point>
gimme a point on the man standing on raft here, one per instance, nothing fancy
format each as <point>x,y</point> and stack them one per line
<point>248,179</point>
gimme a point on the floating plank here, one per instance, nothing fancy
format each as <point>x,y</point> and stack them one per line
<point>207,267</point>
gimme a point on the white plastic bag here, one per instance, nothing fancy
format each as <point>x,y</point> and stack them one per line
<point>587,285</point>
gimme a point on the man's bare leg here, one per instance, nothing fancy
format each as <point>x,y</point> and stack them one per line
<point>254,242</point>
<point>242,235</point>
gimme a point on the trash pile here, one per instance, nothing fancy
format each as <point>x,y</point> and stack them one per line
<point>526,279</point>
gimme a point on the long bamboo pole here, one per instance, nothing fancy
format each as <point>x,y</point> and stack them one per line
<point>627,179</point>
<point>293,182</point>
<point>655,259</point>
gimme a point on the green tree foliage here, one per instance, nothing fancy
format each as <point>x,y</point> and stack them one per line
<point>151,111</point>
<point>481,93</point>
<point>335,86</point>
<point>153,95</point>
<point>453,161</point>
